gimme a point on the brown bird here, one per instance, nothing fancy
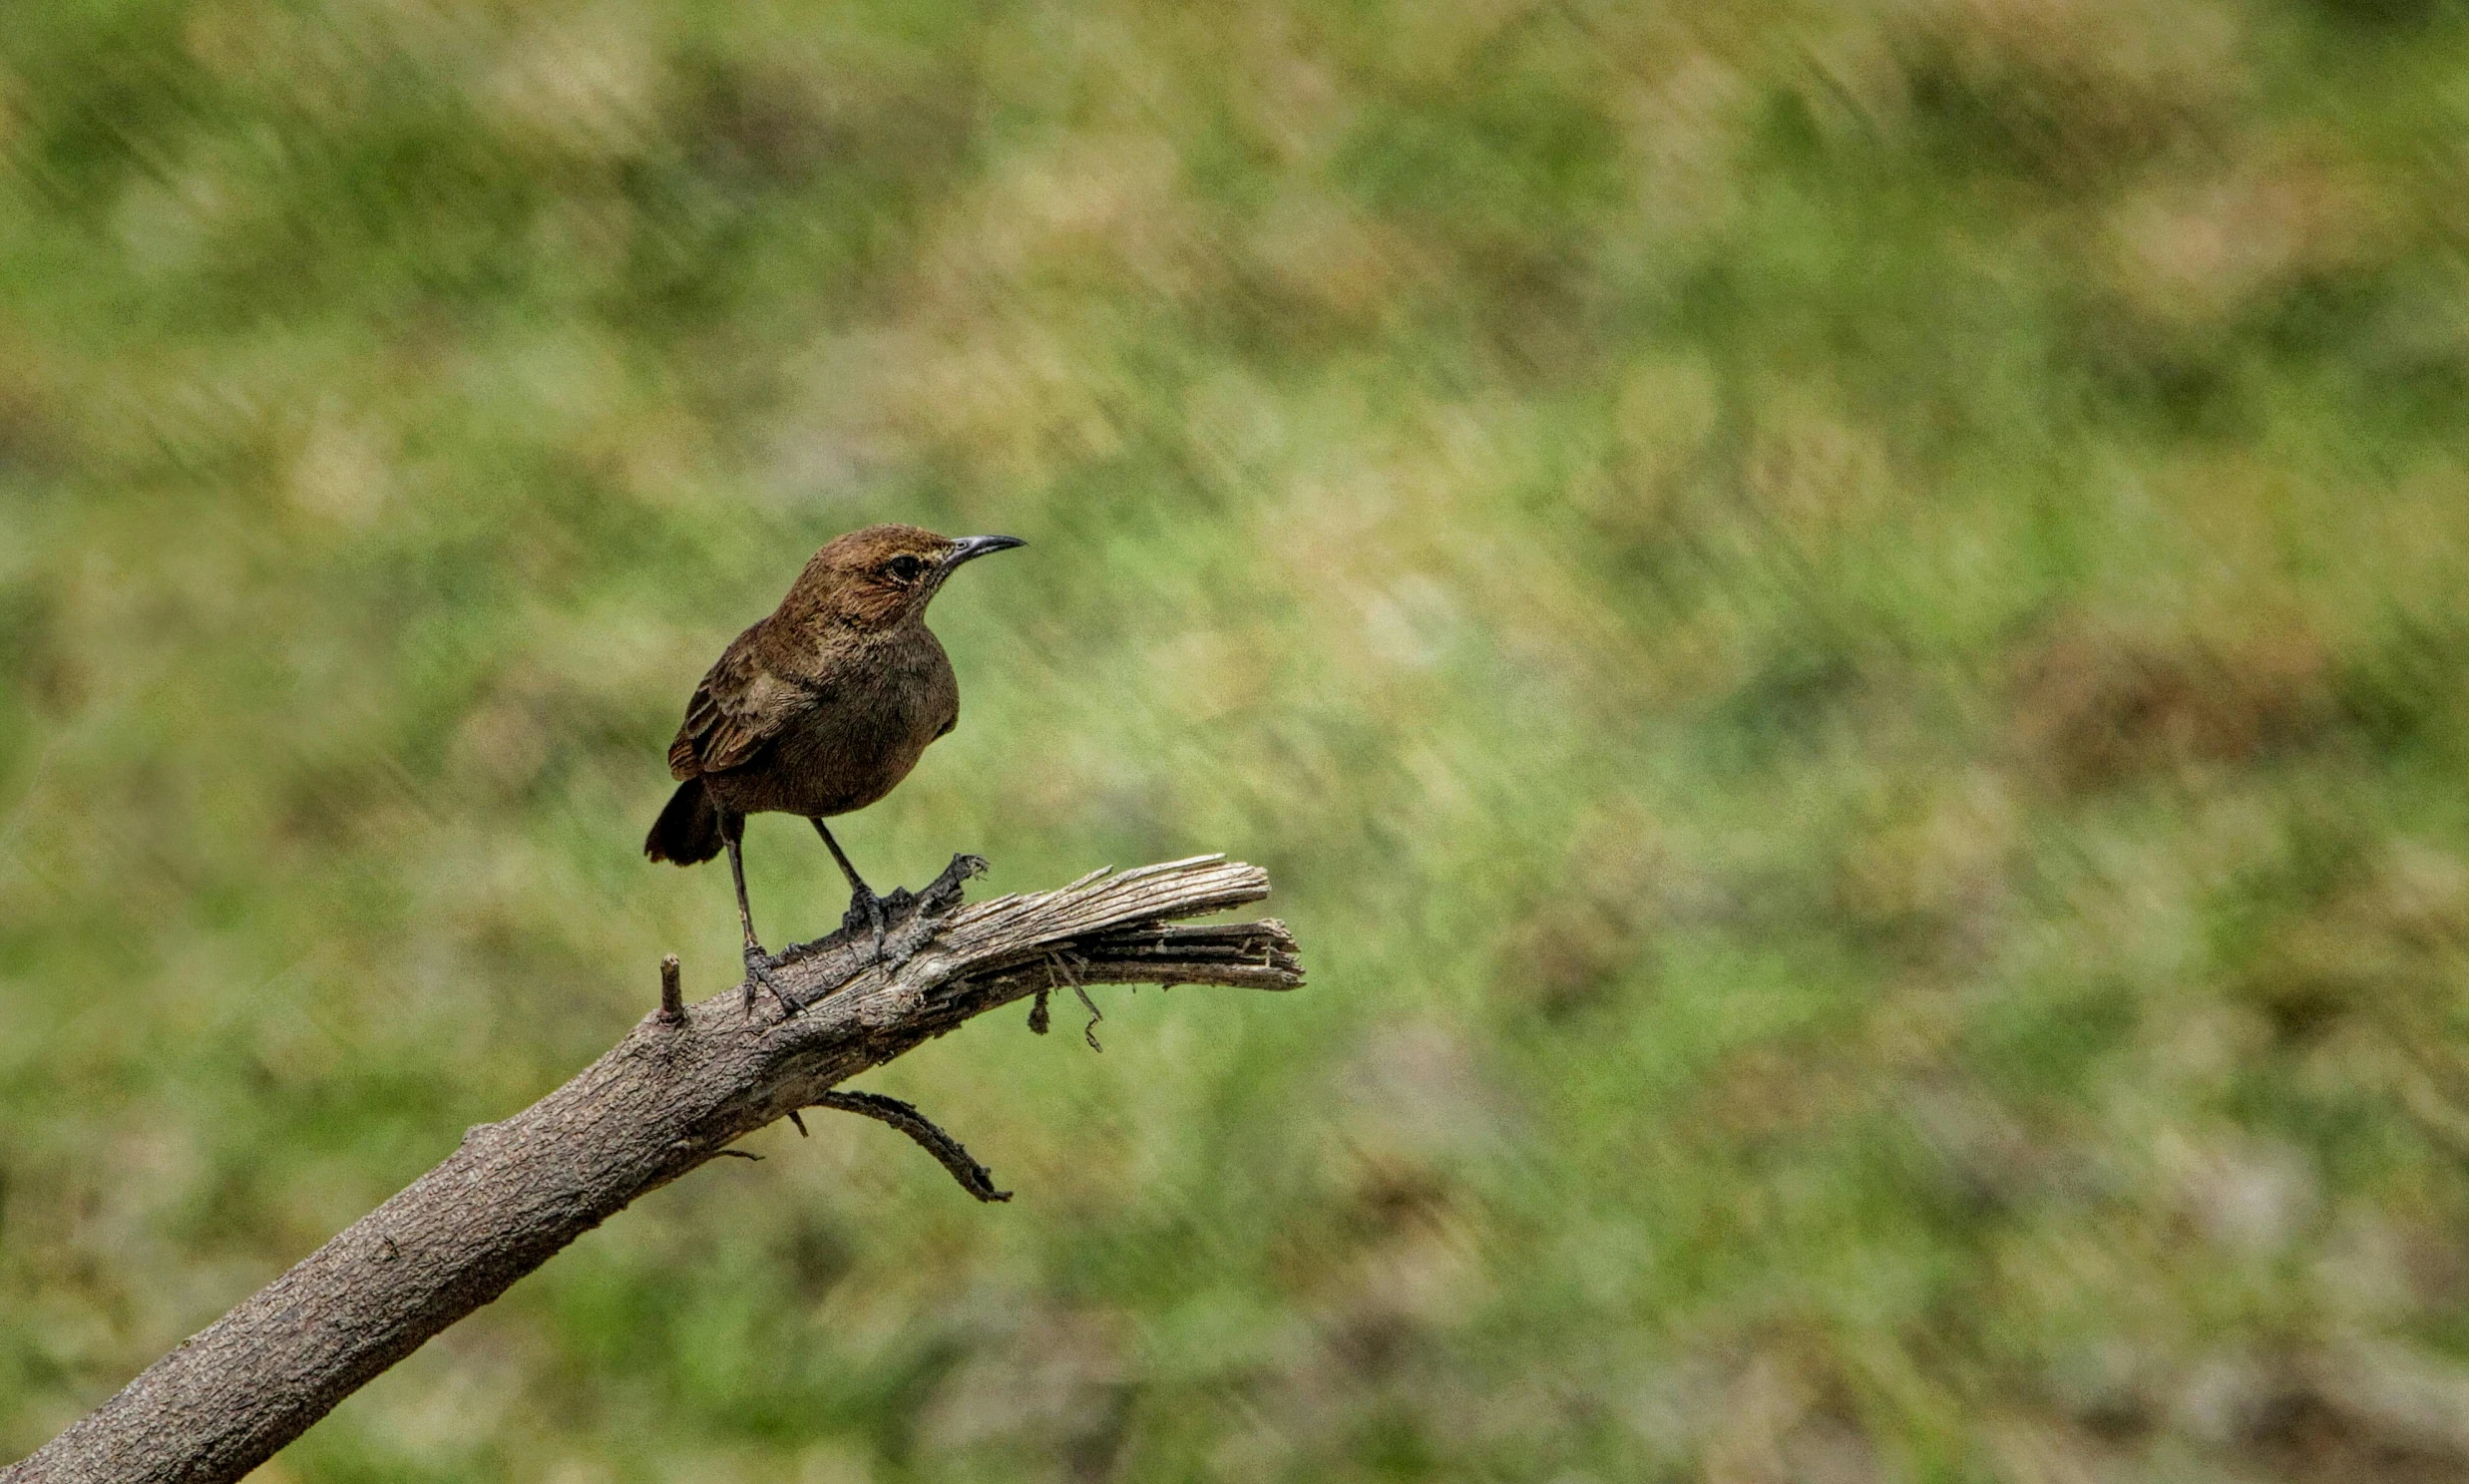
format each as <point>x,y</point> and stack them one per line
<point>818,710</point>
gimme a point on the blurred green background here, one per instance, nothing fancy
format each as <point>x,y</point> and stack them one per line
<point>1839,625</point>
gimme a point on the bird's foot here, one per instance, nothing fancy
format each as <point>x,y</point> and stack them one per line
<point>866,910</point>
<point>759,967</point>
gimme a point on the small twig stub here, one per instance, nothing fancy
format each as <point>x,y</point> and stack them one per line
<point>672,994</point>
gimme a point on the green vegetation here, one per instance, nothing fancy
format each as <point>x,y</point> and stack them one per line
<point>1840,627</point>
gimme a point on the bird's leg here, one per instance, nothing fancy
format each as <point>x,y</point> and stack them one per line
<point>863,903</point>
<point>759,964</point>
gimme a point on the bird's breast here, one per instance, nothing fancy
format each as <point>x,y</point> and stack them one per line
<point>870,723</point>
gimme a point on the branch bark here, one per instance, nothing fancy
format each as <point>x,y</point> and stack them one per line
<point>671,1095</point>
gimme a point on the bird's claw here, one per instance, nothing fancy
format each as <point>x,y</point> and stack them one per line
<point>867,908</point>
<point>759,966</point>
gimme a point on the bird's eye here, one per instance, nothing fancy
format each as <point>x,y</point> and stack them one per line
<point>903,568</point>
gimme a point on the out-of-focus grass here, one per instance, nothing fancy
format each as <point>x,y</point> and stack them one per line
<point>1840,626</point>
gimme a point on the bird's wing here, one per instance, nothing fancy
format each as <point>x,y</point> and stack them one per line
<point>739,706</point>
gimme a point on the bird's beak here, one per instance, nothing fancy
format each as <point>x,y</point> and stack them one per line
<point>970,547</point>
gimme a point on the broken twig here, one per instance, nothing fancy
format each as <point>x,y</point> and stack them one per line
<point>974,1178</point>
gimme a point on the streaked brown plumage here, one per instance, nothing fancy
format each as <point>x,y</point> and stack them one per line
<point>819,709</point>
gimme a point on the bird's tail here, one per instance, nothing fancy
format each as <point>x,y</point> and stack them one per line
<point>689,830</point>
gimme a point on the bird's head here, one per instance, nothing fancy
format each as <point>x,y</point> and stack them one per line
<point>884,575</point>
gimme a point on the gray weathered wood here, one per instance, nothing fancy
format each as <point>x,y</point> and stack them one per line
<point>671,1095</point>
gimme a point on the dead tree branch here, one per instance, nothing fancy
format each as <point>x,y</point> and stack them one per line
<point>673,1094</point>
